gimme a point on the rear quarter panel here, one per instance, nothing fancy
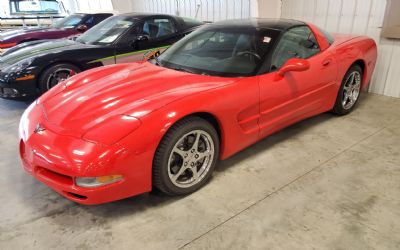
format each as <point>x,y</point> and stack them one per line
<point>357,48</point>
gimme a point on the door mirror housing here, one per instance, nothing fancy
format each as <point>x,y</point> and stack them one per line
<point>82,28</point>
<point>293,64</point>
<point>140,39</point>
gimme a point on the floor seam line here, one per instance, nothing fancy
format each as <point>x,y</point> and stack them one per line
<point>281,188</point>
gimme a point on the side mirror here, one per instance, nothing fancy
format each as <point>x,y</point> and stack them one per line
<point>82,28</point>
<point>139,39</point>
<point>142,38</point>
<point>293,64</point>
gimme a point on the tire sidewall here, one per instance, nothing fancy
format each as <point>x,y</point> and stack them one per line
<point>176,136</point>
<point>47,73</point>
<point>338,108</point>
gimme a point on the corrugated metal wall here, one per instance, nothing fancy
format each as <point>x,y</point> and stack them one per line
<point>356,17</point>
<point>205,10</point>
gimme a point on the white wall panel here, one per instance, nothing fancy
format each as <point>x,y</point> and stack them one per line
<point>205,10</point>
<point>93,5</point>
<point>356,17</point>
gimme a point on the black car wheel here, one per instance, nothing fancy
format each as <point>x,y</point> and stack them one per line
<point>56,74</point>
<point>186,157</point>
<point>349,92</point>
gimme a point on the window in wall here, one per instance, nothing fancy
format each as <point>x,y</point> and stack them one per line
<point>391,24</point>
<point>34,7</point>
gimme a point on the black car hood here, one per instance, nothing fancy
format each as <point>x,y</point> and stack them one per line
<point>42,48</point>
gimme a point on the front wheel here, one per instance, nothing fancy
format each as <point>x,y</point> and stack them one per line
<point>349,91</point>
<point>186,157</point>
<point>56,74</point>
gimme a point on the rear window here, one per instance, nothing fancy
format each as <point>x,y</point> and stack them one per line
<point>327,35</point>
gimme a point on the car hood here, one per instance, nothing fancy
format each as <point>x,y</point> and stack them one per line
<point>135,89</point>
<point>22,52</point>
<point>6,35</point>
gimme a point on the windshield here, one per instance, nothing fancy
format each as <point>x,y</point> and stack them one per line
<point>68,22</point>
<point>220,51</point>
<point>107,31</point>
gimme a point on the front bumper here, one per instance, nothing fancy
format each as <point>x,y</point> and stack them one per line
<point>56,160</point>
<point>11,88</point>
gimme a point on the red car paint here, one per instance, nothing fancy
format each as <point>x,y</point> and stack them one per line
<point>246,110</point>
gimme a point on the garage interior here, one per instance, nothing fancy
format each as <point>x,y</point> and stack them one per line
<point>328,182</point>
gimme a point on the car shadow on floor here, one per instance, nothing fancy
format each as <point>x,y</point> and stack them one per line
<point>138,204</point>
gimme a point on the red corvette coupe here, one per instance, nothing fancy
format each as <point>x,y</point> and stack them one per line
<point>117,131</point>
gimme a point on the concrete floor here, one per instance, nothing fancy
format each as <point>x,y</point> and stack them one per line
<point>326,183</point>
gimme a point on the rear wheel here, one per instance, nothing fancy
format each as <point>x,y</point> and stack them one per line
<point>186,157</point>
<point>56,74</point>
<point>349,92</point>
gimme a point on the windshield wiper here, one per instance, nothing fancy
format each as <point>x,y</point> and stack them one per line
<point>183,70</point>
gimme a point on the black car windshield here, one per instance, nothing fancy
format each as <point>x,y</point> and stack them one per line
<point>220,51</point>
<point>107,31</point>
<point>68,22</point>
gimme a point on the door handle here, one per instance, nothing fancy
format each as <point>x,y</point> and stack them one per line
<point>326,62</point>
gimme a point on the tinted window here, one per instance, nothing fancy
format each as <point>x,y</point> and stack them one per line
<point>220,51</point>
<point>100,18</point>
<point>298,42</point>
<point>68,22</point>
<point>158,27</point>
<point>108,31</point>
<point>327,35</point>
<point>89,22</point>
<point>95,19</point>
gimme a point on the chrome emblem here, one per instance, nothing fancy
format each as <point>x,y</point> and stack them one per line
<point>39,128</point>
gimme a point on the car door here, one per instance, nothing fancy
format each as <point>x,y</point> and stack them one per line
<point>296,95</point>
<point>149,38</point>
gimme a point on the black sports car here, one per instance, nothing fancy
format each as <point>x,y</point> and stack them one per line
<point>33,68</point>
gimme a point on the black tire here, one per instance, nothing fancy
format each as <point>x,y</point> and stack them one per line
<point>44,78</point>
<point>339,109</point>
<point>161,179</point>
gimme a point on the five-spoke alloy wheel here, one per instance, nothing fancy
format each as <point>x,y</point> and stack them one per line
<point>56,74</point>
<point>349,91</point>
<point>186,156</point>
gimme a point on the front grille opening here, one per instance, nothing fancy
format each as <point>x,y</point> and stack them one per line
<point>81,197</point>
<point>54,176</point>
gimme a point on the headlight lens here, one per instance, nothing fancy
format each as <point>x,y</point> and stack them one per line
<point>97,181</point>
<point>21,65</point>
<point>112,129</point>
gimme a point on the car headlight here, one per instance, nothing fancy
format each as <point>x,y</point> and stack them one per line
<point>112,130</point>
<point>97,181</point>
<point>21,65</point>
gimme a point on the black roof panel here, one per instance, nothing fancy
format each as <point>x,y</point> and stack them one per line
<point>266,23</point>
<point>143,14</point>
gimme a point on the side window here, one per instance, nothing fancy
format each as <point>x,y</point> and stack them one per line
<point>89,22</point>
<point>158,28</point>
<point>131,35</point>
<point>99,18</point>
<point>298,42</point>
